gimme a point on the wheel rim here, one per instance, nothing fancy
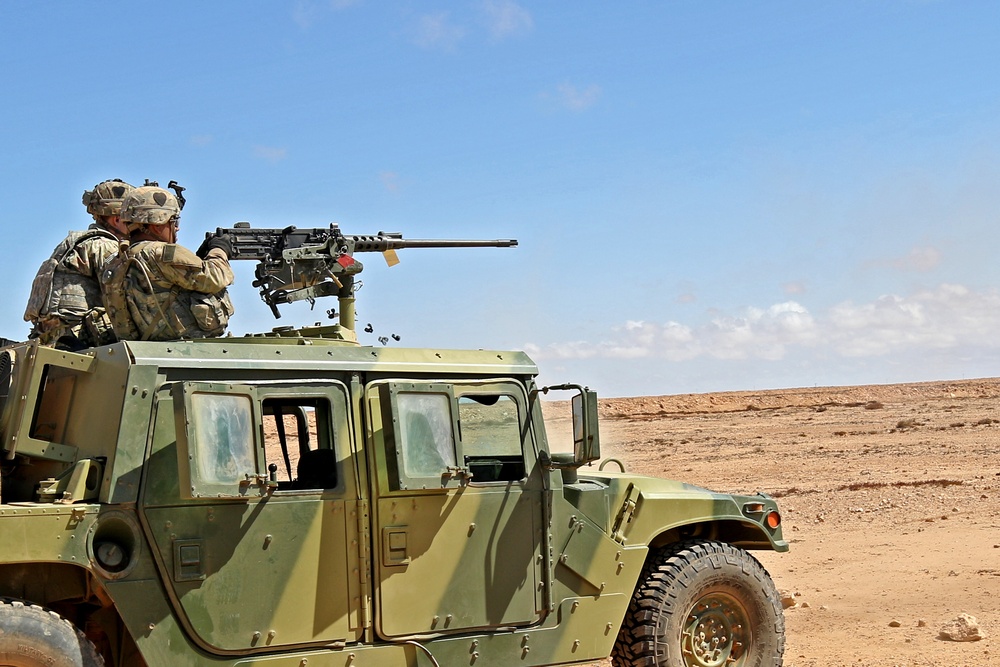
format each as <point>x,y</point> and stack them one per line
<point>716,633</point>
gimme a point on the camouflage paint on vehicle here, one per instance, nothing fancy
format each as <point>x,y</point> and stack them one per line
<point>425,522</point>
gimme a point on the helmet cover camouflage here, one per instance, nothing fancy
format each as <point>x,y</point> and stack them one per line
<point>106,197</point>
<point>149,205</point>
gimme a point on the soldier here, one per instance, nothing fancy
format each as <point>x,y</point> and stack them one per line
<point>158,290</point>
<point>65,306</point>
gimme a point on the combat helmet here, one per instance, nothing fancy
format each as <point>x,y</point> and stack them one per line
<point>149,205</point>
<point>106,198</point>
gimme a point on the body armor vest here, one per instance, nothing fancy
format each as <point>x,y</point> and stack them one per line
<point>142,308</point>
<point>60,291</point>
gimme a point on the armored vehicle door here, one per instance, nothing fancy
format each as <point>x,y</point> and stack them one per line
<point>457,510</point>
<point>251,501</point>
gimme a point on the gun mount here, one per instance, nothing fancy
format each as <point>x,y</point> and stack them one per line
<point>296,264</point>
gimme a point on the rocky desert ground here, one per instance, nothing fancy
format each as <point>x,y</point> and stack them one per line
<point>890,497</point>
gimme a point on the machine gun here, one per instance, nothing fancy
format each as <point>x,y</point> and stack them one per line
<point>304,264</point>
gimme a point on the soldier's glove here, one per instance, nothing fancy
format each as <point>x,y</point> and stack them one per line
<point>225,242</point>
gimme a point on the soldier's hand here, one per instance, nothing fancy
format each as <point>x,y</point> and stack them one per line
<point>224,242</point>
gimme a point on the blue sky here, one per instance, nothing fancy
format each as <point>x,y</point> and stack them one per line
<point>707,195</point>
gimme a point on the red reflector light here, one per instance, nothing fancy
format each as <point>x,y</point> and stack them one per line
<point>773,520</point>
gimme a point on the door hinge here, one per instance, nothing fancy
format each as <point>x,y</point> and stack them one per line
<point>625,514</point>
<point>364,562</point>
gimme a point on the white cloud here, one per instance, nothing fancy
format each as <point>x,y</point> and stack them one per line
<point>672,340</point>
<point>390,180</point>
<point>762,334</point>
<point>506,18</point>
<point>919,259</point>
<point>569,350</point>
<point>950,317</point>
<point>436,31</point>
<point>686,297</point>
<point>794,288</point>
<point>270,153</point>
<point>577,99</point>
<point>305,13</point>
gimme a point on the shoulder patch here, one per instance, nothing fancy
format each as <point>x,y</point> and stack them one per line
<point>178,255</point>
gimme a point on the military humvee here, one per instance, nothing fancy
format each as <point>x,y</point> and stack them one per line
<point>296,499</point>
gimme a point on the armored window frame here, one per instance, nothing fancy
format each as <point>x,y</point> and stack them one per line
<point>425,423</point>
<point>37,422</point>
<point>504,461</point>
<point>253,478</point>
<point>312,435</point>
<point>218,424</point>
<point>452,462</point>
<point>48,422</point>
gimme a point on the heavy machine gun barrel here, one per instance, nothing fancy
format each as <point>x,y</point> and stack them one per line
<point>296,264</point>
<point>393,241</point>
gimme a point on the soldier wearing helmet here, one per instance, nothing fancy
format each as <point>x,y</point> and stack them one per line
<point>65,305</point>
<point>158,290</point>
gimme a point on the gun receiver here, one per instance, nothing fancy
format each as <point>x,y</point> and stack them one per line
<point>304,264</point>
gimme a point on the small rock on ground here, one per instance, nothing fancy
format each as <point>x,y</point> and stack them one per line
<point>964,628</point>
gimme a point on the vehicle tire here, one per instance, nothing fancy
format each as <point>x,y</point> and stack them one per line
<point>31,636</point>
<point>702,604</point>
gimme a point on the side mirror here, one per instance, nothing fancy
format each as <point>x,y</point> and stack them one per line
<point>586,431</point>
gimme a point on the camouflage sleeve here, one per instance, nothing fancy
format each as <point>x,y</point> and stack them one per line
<point>179,266</point>
<point>89,256</point>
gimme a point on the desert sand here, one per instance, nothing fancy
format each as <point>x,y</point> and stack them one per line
<point>890,496</point>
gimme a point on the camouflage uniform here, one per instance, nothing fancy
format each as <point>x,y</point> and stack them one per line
<point>168,292</point>
<point>155,290</point>
<point>65,295</point>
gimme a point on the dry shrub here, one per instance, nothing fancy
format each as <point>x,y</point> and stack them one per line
<point>877,485</point>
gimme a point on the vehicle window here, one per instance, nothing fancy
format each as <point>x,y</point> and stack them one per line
<point>223,430</point>
<point>490,425</point>
<point>426,434</point>
<point>298,441</point>
<point>49,423</point>
<point>491,437</point>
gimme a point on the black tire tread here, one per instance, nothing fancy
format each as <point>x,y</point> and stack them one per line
<point>10,607</point>
<point>675,565</point>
